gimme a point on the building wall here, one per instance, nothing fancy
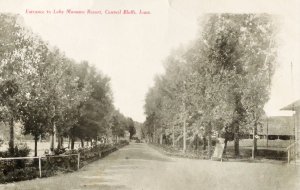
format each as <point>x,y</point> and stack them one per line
<point>297,130</point>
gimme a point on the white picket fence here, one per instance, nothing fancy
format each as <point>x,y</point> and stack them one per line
<point>41,157</point>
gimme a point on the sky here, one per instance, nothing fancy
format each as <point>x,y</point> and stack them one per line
<point>130,49</point>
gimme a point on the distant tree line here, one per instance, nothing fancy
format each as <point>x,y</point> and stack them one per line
<point>218,84</point>
<point>51,94</point>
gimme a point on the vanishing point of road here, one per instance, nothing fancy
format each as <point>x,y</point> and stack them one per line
<point>140,167</point>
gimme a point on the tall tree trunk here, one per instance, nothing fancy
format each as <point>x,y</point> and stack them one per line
<point>51,142</point>
<point>184,135</point>
<point>173,136</point>
<point>209,145</point>
<point>11,143</point>
<point>59,142</point>
<point>209,140</point>
<point>36,138</point>
<point>254,148</point>
<point>82,143</point>
<point>72,143</point>
<point>62,141</point>
<point>53,138</point>
<point>225,146</point>
<point>154,133</point>
<point>204,143</point>
<point>69,140</point>
<point>239,117</point>
<point>195,142</point>
<point>236,140</point>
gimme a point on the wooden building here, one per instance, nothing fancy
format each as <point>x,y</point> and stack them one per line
<point>277,127</point>
<point>294,149</point>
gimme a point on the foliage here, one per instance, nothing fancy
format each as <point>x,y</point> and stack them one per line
<point>219,83</point>
<point>15,57</point>
<point>131,127</point>
<point>52,165</point>
<point>20,150</point>
<point>19,175</point>
<point>50,93</point>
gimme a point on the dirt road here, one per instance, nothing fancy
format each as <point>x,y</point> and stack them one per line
<point>139,167</point>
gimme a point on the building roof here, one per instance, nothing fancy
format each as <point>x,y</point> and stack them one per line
<point>292,106</point>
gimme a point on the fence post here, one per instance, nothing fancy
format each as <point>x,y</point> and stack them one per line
<point>40,166</point>
<point>78,161</point>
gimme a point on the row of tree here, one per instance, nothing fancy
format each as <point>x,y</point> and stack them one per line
<point>218,83</point>
<point>51,94</point>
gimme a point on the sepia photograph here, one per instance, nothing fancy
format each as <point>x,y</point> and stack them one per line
<point>149,94</point>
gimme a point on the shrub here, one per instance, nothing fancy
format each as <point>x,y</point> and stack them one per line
<point>123,142</point>
<point>214,142</point>
<point>21,150</point>
<point>59,151</point>
<point>8,166</point>
<point>19,174</point>
<point>68,163</point>
<point>17,170</point>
